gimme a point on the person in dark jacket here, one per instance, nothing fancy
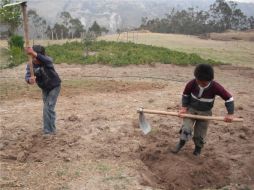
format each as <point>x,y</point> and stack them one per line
<point>198,99</point>
<point>48,80</point>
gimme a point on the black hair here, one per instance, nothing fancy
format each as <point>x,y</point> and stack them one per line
<point>204,72</point>
<point>39,49</point>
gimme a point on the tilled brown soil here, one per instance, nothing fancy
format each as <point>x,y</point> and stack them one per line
<point>99,145</point>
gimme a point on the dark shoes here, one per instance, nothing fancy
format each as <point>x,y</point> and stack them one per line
<point>178,146</point>
<point>197,151</point>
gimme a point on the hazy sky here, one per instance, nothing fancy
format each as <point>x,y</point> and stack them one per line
<point>252,1</point>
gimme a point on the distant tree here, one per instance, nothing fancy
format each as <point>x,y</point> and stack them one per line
<point>96,29</point>
<point>10,16</point>
<point>60,31</point>
<point>118,30</point>
<point>251,22</point>
<point>38,24</point>
<point>77,27</point>
<point>72,26</point>
<point>104,30</point>
<point>238,19</point>
<point>226,15</point>
<point>221,16</point>
<point>66,18</point>
<point>44,26</point>
<point>144,21</point>
<point>49,32</point>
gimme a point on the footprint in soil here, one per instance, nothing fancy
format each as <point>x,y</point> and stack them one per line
<point>73,118</point>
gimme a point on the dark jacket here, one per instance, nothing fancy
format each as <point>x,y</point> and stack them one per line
<point>46,76</point>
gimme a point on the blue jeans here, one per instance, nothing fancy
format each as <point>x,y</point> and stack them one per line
<point>49,114</point>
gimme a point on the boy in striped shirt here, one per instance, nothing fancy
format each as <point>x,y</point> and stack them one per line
<point>198,99</point>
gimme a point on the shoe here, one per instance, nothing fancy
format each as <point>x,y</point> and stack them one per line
<point>178,147</point>
<point>46,132</point>
<point>197,151</point>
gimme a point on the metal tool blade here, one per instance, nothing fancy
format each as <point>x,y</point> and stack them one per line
<point>143,124</point>
<point>13,4</point>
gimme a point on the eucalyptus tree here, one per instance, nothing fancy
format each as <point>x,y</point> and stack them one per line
<point>37,23</point>
<point>10,17</point>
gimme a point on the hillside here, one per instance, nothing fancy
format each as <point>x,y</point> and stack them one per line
<point>235,48</point>
<point>115,14</point>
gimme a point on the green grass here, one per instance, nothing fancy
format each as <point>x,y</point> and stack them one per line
<point>12,57</point>
<point>121,53</point>
<point>238,53</point>
<point>70,52</point>
<point>111,53</point>
<point>4,57</point>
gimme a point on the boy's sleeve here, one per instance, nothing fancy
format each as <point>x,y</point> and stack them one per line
<point>28,74</point>
<point>47,61</point>
<point>187,93</point>
<point>225,95</point>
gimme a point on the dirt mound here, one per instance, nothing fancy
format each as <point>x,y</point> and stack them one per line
<point>215,168</point>
<point>38,148</point>
<point>183,171</point>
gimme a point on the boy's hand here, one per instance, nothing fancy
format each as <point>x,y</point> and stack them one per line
<point>229,118</point>
<point>32,80</point>
<point>31,52</point>
<point>183,110</point>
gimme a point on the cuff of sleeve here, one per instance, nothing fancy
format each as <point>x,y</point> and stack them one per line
<point>185,102</point>
<point>230,107</point>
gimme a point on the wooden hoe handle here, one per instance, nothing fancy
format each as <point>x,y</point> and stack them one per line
<point>218,118</point>
<point>25,25</point>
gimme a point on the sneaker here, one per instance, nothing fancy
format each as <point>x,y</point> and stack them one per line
<point>178,147</point>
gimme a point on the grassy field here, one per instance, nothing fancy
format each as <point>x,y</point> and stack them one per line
<point>3,53</point>
<point>112,53</point>
<point>237,52</point>
<point>4,56</point>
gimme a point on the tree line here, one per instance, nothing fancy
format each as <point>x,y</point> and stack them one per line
<point>66,27</point>
<point>220,17</point>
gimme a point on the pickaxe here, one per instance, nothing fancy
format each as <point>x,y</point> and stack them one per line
<point>23,5</point>
<point>146,127</point>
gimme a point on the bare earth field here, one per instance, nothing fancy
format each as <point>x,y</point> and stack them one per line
<point>99,146</point>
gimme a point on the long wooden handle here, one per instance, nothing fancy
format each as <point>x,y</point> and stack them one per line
<point>25,25</point>
<point>218,118</point>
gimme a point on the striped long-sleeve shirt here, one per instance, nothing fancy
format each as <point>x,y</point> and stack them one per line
<point>202,99</point>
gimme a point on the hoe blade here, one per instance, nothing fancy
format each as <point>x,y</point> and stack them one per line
<point>15,3</point>
<point>143,124</point>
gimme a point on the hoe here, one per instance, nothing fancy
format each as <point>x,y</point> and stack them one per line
<point>23,5</point>
<point>146,127</point>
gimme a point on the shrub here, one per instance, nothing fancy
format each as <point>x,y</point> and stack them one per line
<point>17,56</point>
<point>16,41</point>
